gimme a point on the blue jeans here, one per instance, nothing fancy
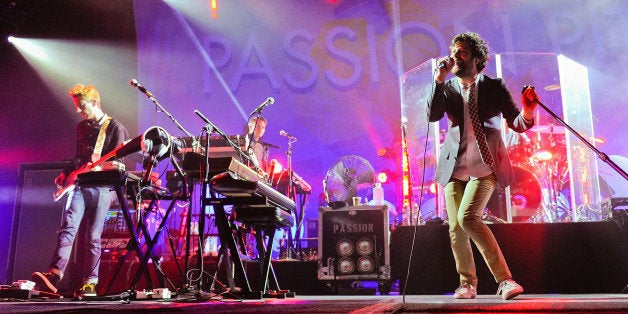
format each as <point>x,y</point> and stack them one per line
<point>89,204</point>
<point>465,202</point>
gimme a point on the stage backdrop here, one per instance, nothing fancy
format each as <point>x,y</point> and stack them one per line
<point>332,67</point>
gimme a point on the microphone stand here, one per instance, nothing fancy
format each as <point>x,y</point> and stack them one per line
<point>209,128</point>
<point>150,96</point>
<point>187,194</point>
<point>204,204</point>
<point>222,223</point>
<point>292,195</point>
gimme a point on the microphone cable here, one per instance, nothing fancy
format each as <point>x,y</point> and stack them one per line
<point>414,230</point>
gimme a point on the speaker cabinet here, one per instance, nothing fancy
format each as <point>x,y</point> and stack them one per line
<point>36,218</point>
<point>354,243</point>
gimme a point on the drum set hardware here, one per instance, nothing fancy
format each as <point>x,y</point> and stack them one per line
<point>540,189</point>
<point>549,129</point>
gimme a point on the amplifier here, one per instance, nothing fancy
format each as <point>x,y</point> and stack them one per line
<point>115,235</point>
<point>115,225</point>
<point>354,243</point>
<point>113,248</point>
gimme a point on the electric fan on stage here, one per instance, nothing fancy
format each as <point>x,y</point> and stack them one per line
<point>349,176</point>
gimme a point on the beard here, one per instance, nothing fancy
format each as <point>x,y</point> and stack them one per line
<point>464,68</point>
<point>461,69</point>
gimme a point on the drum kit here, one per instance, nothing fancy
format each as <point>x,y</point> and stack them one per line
<point>540,190</point>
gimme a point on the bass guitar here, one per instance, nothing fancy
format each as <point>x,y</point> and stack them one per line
<point>68,185</point>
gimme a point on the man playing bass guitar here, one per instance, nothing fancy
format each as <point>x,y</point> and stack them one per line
<point>97,135</point>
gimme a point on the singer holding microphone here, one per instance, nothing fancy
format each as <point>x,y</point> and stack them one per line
<point>473,158</point>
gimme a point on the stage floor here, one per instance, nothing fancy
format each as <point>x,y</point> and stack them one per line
<point>574,303</point>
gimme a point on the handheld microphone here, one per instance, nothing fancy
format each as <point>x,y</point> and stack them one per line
<point>141,88</point>
<point>526,87</point>
<point>265,104</point>
<point>284,133</point>
<point>443,64</point>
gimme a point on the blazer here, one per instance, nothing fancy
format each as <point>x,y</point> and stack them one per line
<point>494,102</point>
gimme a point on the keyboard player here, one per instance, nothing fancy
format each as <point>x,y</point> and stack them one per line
<point>258,150</point>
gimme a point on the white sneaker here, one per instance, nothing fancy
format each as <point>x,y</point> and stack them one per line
<point>465,291</point>
<point>509,289</point>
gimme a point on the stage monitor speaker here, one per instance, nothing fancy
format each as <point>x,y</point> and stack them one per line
<point>354,243</point>
<point>36,219</point>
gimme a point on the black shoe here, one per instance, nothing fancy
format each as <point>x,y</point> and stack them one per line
<point>46,282</point>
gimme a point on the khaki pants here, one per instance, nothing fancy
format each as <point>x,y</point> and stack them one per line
<point>465,202</point>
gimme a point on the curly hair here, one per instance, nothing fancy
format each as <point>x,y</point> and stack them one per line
<point>82,92</point>
<point>479,47</point>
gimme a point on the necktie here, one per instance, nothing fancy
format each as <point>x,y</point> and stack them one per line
<point>478,130</point>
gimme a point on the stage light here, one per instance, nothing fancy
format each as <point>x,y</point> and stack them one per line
<point>544,155</point>
<point>386,176</point>
<point>382,177</point>
<point>433,187</point>
<point>386,152</point>
<point>29,47</point>
<point>214,5</point>
<point>275,167</point>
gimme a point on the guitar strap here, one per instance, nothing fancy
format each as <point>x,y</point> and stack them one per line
<point>100,142</point>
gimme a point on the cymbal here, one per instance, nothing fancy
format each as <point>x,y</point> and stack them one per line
<point>552,87</point>
<point>548,129</point>
<point>597,139</point>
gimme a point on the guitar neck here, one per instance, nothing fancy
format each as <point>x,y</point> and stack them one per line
<point>89,167</point>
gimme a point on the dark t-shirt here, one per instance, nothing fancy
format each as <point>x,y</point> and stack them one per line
<point>86,136</point>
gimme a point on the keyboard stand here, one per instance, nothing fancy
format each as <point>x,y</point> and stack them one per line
<point>225,232</point>
<point>148,252</point>
<point>266,220</point>
<point>119,181</point>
